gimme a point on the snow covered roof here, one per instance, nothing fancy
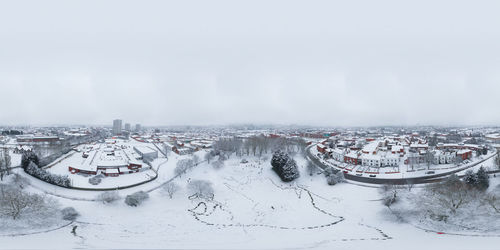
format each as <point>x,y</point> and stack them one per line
<point>112,171</point>
<point>144,149</point>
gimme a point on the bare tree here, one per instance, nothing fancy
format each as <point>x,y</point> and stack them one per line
<point>452,194</point>
<point>311,168</point>
<point>195,158</point>
<point>429,158</point>
<point>183,165</point>
<point>493,201</point>
<point>14,202</point>
<point>5,162</point>
<point>389,194</point>
<point>410,183</point>
<point>208,156</point>
<point>201,189</point>
<point>497,160</point>
<point>170,189</point>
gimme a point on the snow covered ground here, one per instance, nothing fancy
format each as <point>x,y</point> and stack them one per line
<point>252,209</point>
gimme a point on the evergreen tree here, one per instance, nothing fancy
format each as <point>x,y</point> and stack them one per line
<point>470,178</point>
<point>482,179</point>
<point>284,166</point>
<point>485,151</point>
<point>27,157</point>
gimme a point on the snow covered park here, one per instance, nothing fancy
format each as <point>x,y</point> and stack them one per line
<point>251,208</point>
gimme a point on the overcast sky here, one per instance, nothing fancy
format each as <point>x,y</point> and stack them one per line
<point>283,62</point>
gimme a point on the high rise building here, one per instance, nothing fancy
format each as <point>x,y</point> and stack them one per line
<point>127,127</point>
<point>117,127</point>
<point>137,127</point>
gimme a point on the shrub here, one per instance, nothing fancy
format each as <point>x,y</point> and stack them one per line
<point>69,213</point>
<point>217,164</point>
<point>59,180</point>
<point>96,180</point>
<point>136,198</point>
<point>389,194</point>
<point>334,176</point>
<point>108,197</point>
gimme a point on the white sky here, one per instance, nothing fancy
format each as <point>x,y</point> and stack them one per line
<point>221,62</point>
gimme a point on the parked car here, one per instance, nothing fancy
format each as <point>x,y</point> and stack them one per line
<point>430,172</point>
<point>373,175</point>
<point>359,174</point>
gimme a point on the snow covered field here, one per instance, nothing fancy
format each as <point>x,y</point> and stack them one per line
<point>252,209</point>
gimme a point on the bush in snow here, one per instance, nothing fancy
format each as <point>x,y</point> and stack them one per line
<point>200,189</point>
<point>333,176</point>
<point>69,213</point>
<point>136,198</point>
<point>389,194</point>
<point>170,188</point>
<point>59,180</point>
<point>311,168</point>
<point>284,166</point>
<point>96,180</point>
<point>217,164</point>
<point>108,197</point>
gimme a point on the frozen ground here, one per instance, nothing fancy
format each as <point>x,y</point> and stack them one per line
<point>252,209</point>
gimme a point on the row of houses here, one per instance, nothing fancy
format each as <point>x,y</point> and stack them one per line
<point>389,152</point>
<point>29,139</point>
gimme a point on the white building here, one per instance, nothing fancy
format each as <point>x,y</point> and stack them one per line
<point>441,157</point>
<point>338,154</point>
<point>380,160</point>
<point>117,126</point>
<point>146,152</point>
<point>370,160</point>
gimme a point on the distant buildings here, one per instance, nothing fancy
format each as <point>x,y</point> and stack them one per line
<point>146,152</point>
<point>137,127</point>
<point>117,127</point>
<point>127,127</point>
<point>39,139</point>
